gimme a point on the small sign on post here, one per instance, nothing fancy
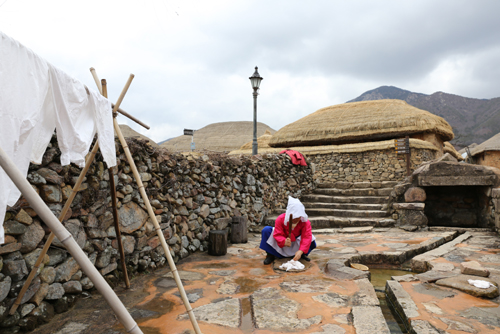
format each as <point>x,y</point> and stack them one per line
<point>189,132</point>
<point>402,146</point>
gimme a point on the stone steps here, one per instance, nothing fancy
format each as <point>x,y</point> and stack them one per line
<point>344,199</point>
<point>345,206</point>
<point>354,192</point>
<point>314,212</point>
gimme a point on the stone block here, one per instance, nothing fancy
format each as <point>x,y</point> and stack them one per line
<point>474,268</point>
<point>415,194</point>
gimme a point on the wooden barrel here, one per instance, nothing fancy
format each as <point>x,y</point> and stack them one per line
<point>217,242</point>
<point>239,233</point>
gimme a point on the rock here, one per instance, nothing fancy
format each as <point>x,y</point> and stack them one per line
<point>48,275</point>
<point>364,229</point>
<point>333,300</point>
<point>14,228</point>
<point>332,269</point>
<point>415,194</point>
<point>275,312</point>
<point>32,257</point>
<point>474,268</point>
<point>461,283</point>
<point>86,283</point>
<point>16,269</point>
<point>131,217</point>
<point>409,206</point>
<point>40,295</point>
<point>72,287</point>
<point>223,313</point>
<point>109,268</point>
<point>222,272</point>
<point>369,320</point>
<point>331,329</point>
<point>32,237</point>
<point>457,325</point>
<point>128,242</point>
<point>5,284</point>
<point>56,256</point>
<point>67,269</point>
<point>51,194</point>
<point>103,259</point>
<point>24,217</point>
<point>55,291</point>
<point>50,176</point>
<point>434,275</point>
<point>25,309</point>
<point>10,248</point>
<point>423,327</point>
<point>44,312</point>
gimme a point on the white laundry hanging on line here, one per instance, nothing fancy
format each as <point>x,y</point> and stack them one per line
<point>36,98</point>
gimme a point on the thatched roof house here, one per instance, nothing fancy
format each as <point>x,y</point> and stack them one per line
<point>128,132</point>
<point>218,137</point>
<point>365,121</point>
<point>488,152</point>
<point>448,148</point>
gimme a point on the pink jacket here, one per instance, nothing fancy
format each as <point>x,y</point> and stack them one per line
<point>303,229</point>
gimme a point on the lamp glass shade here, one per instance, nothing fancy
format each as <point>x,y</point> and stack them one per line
<point>255,79</point>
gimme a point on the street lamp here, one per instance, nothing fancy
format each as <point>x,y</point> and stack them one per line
<point>255,79</point>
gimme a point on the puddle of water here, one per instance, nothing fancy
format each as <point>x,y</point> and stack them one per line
<point>248,285</point>
<point>380,276</point>
<point>247,326</point>
<point>215,265</point>
<point>158,304</point>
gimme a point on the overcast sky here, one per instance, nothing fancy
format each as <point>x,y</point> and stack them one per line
<point>192,59</point>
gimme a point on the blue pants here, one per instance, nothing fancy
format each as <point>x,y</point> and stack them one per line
<point>266,233</point>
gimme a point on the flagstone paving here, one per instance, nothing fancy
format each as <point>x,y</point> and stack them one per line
<point>236,293</point>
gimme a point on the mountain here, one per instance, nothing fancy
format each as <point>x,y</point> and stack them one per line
<point>473,120</point>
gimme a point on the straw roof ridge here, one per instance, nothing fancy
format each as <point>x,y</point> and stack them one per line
<point>448,148</point>
<point>344,148</point>
<point>220,137</point>
<point>366,120</point>
<point>492,144</point>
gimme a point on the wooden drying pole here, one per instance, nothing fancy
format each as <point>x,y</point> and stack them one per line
<point>145,198</point>
<point>115,209</point>
<point>67,205</point>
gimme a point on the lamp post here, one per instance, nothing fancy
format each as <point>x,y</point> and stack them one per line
<point>255,80</point>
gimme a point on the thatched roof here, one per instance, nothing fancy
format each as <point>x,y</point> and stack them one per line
<point>219,137</point>
<point>448,148</point>
<point>360,122</point>
<point>345,148</point>
<point>128,132</point>
<point>492,144</point>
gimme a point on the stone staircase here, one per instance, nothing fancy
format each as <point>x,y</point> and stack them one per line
<point>347,204</point>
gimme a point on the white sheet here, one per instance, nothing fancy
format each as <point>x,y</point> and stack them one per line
<point>35,99</point>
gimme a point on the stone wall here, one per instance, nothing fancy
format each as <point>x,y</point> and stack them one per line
<point>191,195</point>
<point>380,165</point>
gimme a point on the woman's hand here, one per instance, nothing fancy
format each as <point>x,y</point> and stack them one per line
<point>288,242</point>
<point>298,254</point>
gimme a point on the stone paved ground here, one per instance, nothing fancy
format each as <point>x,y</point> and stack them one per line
<point>236,293</point>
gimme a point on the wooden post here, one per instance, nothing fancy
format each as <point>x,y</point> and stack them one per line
<point>239,233</point>
<point>115,209</point>
<point>217,242</point>
<point>408,156</point>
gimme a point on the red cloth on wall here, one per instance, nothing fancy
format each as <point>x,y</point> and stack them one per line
<point>297,157</point>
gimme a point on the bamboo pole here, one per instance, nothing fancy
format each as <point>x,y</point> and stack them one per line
<point>67,205</point>
<point>69,242</point>
<point>121,111</point>
<point>115,210</point>
<point>145,198</point>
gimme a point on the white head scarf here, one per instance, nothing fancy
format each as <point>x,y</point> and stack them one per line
<point>296,209</point>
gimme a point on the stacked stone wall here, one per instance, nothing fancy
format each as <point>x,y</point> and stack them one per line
<point>382,165</point>
<point>191,195</point>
